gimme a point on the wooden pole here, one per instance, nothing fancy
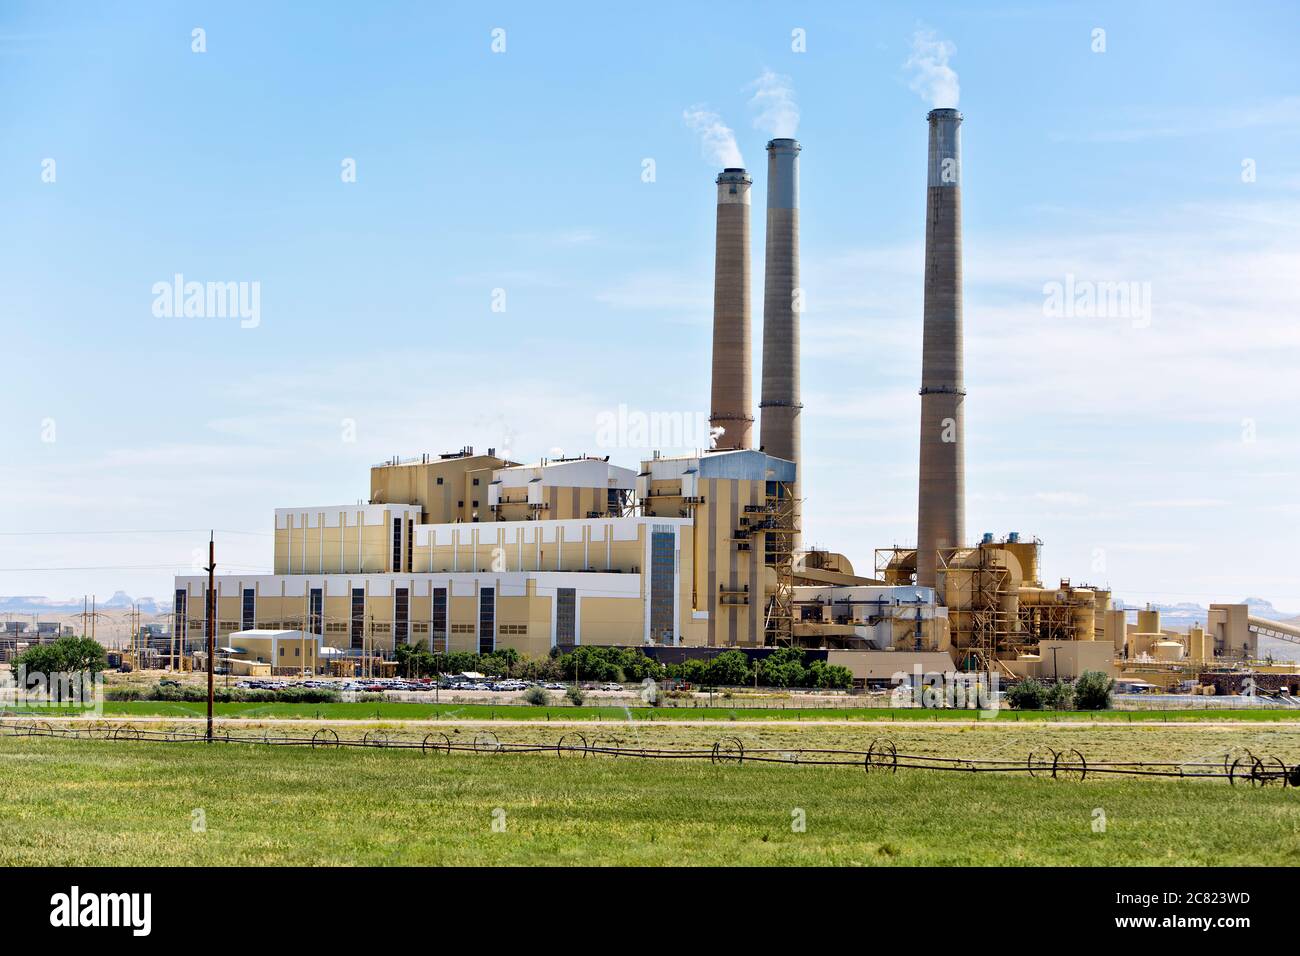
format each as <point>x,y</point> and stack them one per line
<point>211,604</point>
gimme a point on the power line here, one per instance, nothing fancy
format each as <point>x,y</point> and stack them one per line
<point>137,567</point>
<point>266,534</point>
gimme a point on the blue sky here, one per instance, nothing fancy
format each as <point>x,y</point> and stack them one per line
<point>1158,457</point>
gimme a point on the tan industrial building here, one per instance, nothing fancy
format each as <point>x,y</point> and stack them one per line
<point>688,551</point>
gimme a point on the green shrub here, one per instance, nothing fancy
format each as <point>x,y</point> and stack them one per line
<point>536,696</point>
<point>1093,690</point>
<point>575,696</point>
<point>198,693</point>
<point>1060,696</point>
<point>307,695</point>
<point>1029,694</point>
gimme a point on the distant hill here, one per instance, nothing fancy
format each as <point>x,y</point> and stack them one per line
<point>39,604</point>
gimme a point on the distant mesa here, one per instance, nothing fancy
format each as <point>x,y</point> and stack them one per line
<point>40,604</point>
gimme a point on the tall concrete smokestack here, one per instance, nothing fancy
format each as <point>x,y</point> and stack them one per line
<point>941,502</point>
<point>779,431</point>
<point>733,390</point>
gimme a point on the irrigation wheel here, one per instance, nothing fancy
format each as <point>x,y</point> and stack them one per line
<point>572,743</point>
<point>729,749</point>
<point>325,737</point>
<point>881,755</point>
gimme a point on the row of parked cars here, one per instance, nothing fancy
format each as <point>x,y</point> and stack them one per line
<point>381,684</point>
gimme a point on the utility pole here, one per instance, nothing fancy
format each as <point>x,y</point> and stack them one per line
<point>211,608</point>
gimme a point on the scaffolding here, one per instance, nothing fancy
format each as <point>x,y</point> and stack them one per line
<point>985,629</point>
<point>779,529</point>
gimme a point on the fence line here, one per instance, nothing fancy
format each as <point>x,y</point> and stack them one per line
<point>882,754</point>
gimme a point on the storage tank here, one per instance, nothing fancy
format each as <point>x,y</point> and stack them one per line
<point>1168,650</point>
<point>1100,608</point>
<point>1199,645</point>
<point>1028,554</point>
<point>1083,616</point>
<point>1116,629</point>
<point>1143,642</point>
<point>1149,621</point>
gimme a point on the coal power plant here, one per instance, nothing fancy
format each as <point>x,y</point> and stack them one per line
<point>680,555</point>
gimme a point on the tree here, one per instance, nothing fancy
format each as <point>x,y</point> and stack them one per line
<point>414,660</point>
<point>81,654</point>
<point>1029,694</point>
<point>822,674</point>
<point>608,664</point>
<point>1092,691</point>
<point>728,669</point>
<point>74,658</point>
<point>783,668</point>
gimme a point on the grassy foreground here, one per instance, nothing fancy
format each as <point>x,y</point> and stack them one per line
<point>398,710</point>
<point>98,802</point>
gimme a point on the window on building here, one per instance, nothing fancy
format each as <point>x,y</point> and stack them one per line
<point>248,617</point>
<point>475,502</point>
<point>282,650</point>
<point>410,541</point>
<point>397,543</point>
<point>440,479</point>
<point>662,561</point>
<point>401,616</point>
<point>566,616</point>
<point>614,502</point>
<point>358,618</point>
<point>487,615</point>
<point>179,623</point>
<point>297,652</point>
<point>476,481</point>
<point>460,504</point>
<point>315,611</point>
<point>438,627</point>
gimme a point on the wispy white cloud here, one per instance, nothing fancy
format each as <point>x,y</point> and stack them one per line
<point>1177,121</point>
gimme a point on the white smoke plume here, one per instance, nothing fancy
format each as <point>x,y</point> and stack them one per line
<point>717,140</point>
<point>776,112</point>
<point>932,77</point>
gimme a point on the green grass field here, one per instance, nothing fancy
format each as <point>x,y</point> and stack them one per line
<point>395,710</point>
<point>103,802</point>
